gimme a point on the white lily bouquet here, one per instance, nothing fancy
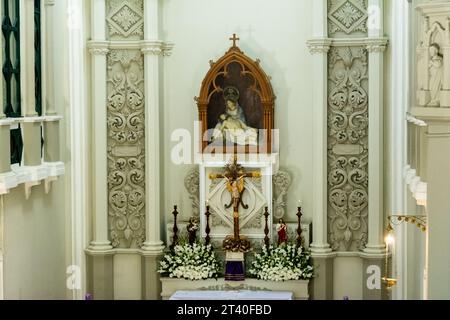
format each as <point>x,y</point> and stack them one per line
<point>286,262</point>
<point>191,262</point>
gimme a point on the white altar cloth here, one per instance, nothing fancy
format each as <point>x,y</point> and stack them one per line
<point>231,295</point>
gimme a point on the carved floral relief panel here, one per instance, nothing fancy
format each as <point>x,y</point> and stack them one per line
<point>125,19</point>
<point>347,17</point>
<point>347,148</point>
<point>126,148</point>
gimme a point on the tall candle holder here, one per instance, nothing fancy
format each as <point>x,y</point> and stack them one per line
<point>266,228</point>
<point>175,228</point>
<point>207,229</point>
<point>299,227</point>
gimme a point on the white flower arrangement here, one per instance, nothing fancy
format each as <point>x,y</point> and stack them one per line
<point>191,262</point>
<point>283,263</point>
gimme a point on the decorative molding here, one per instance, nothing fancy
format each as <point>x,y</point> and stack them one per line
<point>376,45</point>
<point>348,16</point>
<point>323,45</point>
<point>98,51</point>
<point>356,42</point>
<point>157,48</point>
<point>281,183</point>
<point>125,18</point>
<point>348,148</point>
<point>147,47</point>
<point>192,185</point>
<point>98,47</point>
<point>415,184</point>
<point>126,148</point>
<point>415,121</point>
<point>319,45</point>
<point>30,176</point>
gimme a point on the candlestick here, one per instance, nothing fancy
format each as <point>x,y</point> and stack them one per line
<point>175,228</point>
<point>299,227</point>
<point>266,228</point>
<point>207,229</point>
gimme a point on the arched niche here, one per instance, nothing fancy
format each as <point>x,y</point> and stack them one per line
<point>256,99</point>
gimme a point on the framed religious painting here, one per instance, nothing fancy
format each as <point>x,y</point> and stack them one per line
<point>236,106</point>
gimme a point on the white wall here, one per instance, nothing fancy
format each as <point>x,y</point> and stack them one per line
<point>37,230</point>
<point>34,244</point>
<point>347,278</point>
<point>127,276</point>
<point>274,31</point>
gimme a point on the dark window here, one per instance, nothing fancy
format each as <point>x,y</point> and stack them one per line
<point>11,71</point>
<point>11,56</point>
<point>37,54</point>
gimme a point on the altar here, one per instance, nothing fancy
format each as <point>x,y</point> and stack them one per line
<point>248,289</point>
<point>231,295</point>
<point>239,245</point>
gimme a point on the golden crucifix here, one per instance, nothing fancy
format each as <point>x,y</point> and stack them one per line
<point>235,174</point>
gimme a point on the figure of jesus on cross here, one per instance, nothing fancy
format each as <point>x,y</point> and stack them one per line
<point>234,175</point>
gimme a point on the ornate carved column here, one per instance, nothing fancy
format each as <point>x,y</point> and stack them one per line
<point>348,65</point>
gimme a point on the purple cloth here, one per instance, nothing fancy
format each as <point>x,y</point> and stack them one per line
<point>234,271</point>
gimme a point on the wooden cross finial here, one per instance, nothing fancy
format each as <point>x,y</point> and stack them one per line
<point>234,39</point>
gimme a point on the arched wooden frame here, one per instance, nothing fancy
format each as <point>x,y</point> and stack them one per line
<point>261,85</point>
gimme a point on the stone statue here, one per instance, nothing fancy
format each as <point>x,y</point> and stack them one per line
<point>192,228</point>
<point>436,74</point>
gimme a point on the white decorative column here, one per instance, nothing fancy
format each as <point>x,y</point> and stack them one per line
<point>375,249</point>
<point>319,46</point>
<point>99,50</point>
<point>397,134</point>
<point>152,49</point>
<point>100,259</point>
<point>376,47</point>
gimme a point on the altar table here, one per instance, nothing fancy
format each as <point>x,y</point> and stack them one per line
<point>298,288</point>
<point>231,295</point>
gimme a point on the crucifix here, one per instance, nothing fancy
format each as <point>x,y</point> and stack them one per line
<point>234,175</point>
<point>234,39</point>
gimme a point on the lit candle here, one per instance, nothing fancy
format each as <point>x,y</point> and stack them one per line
<point>300,203</point>
<point>207,202</point>
<point>390,247</point>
